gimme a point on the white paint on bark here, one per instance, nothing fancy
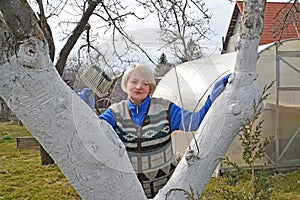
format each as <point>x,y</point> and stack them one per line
<point>86,149</point>
<point>218,129</point>
<point>89,152</point>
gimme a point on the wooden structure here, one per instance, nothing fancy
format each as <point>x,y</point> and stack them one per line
<point>5,112</point>
<point>32,143</point>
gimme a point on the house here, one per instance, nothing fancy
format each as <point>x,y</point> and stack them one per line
<point>273,20</point>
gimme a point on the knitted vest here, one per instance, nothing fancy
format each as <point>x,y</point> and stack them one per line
<point>149,147</point>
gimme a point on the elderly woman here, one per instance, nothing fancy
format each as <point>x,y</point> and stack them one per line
<point>145,124</point>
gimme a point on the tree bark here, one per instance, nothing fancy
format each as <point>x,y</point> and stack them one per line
<point>64,53</point>
<point>86,149</point>
<point>222,122</point>
<point>46,30</point>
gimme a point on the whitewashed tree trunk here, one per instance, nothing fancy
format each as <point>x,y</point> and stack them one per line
<point>88,151</point>
<point>223,121</point>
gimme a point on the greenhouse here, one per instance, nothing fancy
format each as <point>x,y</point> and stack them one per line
<point>277,62</point>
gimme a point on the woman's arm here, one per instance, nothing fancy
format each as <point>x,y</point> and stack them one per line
<point>197,117</point>
<point>108,116</point>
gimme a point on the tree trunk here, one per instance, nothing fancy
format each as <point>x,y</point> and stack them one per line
<point>81,26</point>
<point>222,122</point>
<point>86,149</point>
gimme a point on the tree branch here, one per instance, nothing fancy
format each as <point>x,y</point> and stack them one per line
<point>80,27</point>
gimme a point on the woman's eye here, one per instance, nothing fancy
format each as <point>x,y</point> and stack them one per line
<point>136,82</point>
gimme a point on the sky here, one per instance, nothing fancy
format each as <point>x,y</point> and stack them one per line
<point>145,33</point>
<point>221,11</point>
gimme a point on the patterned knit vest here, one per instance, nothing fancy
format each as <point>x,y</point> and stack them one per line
<point>149,147</point>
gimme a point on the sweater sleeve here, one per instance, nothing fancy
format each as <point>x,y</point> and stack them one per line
<point>194,117</point>
<point>108,116</point>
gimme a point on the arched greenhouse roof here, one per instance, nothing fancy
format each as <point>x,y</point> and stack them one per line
<point>195,77</point>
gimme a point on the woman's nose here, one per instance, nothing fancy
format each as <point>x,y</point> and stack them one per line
<point>139,85</point>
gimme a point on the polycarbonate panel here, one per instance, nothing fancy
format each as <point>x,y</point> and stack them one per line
<point>195,77</point>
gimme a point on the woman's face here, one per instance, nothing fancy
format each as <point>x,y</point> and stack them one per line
<point>137,87</point>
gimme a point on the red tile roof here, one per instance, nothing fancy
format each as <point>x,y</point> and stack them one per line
<point>272,14</point>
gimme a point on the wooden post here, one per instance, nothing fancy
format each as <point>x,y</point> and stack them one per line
<point>45,157</point>
<point>32,143</point>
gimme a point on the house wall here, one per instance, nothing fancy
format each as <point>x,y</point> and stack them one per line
<point>234,38</point>
<point>273,17</point>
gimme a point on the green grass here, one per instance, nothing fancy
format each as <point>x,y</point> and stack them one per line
<point>286,187</point>
<point>23,177</point>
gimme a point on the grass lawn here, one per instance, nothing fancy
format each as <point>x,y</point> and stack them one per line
<point>23,177</point>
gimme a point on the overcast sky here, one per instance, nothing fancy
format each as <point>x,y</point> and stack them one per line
<point>221,11</point>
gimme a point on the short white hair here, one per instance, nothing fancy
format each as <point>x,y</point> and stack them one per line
<point>145,70</point>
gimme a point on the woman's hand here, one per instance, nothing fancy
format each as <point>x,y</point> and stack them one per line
<point>219,87</point>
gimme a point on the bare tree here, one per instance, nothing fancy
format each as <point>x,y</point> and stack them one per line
<point>86,149</point>
<point>183,25</point>
<point>287,16</point>
<point>46,29</point>
<point>108,13</point>
<point>93,18</point>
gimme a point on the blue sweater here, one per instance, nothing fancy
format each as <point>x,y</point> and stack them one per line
<point>138,113</point>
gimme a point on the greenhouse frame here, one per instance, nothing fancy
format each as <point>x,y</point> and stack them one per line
<point>279,62</point>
